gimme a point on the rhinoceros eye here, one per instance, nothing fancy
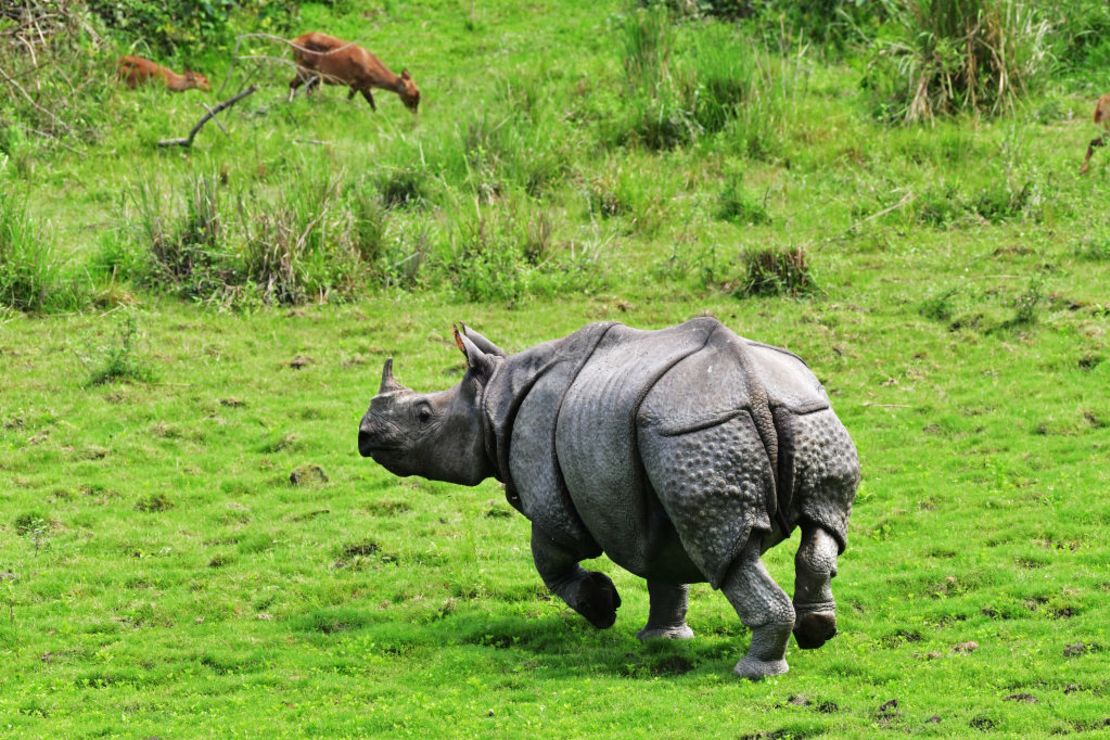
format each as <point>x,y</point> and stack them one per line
<point>424,413</point>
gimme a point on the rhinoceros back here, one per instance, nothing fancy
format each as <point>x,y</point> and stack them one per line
<point>596,439</point>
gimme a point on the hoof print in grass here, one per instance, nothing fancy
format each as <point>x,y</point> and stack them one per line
<point>300,362</point>
<point>219,561</point>
<point>308,475</point>
<point>1075,649</point>
<point>1023,698</point>
<point>887,713</point>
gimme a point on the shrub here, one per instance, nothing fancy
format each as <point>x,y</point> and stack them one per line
<point>170,26</point>
<point>949,56</point>
<point>776,272</point>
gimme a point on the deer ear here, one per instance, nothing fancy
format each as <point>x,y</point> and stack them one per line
<point>405,74</point>
<point>477,361</point>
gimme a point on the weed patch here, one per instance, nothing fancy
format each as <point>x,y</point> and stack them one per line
<point>769,272</point>
<point>120,361</point>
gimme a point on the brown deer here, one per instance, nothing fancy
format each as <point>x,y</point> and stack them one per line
<point>335,62</point>
<point>136,70</point>
<point>1102,115</point>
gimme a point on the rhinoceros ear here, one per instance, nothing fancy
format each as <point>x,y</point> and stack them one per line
<point>482,343</point>
<point>480,363</point>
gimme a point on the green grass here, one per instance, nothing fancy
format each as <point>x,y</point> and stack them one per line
<point>160,573</point>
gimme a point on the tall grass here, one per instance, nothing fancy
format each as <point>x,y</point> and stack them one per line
<point>30,275</point>
<point>689,79</point>
<point>950,56</point>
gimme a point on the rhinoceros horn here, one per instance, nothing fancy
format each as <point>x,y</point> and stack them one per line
<point>389,385</point>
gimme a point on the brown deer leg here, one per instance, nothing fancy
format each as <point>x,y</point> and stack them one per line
<point>351,94</point>
<point>1095,143</point>
<point>369,99</point>
<point>295,83</point>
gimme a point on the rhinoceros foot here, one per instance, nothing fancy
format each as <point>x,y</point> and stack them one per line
<point>814,629</point>
<point>755,669</point>
<point>680,632</point>
<point>597,600</point>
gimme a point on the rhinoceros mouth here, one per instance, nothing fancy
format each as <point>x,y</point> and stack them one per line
<point>367,446</point>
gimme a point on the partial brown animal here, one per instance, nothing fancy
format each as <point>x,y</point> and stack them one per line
<point>336,62</point>
<point>1102,115</point>
<point>134,71</point>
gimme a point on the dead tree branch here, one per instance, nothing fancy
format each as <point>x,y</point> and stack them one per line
<point>212,112</point>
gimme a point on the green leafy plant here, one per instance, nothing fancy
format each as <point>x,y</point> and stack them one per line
<point>120,361</point>
<point>949,56</point>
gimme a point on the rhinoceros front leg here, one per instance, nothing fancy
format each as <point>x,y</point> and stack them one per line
<point>814,567</point>
<point>589,593</point>
<point>667,614</point>
<point>765,609</point>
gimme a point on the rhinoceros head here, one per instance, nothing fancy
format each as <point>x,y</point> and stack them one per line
<point>434,435</point>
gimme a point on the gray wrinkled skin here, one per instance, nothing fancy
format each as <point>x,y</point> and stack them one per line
<point>682,454</point>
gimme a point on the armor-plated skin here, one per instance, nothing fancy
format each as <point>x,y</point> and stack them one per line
<point>682,454</point>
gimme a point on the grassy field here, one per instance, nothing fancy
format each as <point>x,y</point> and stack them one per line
<point>160,574</point>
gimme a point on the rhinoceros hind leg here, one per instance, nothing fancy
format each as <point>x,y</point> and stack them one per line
<point>765,609</point>
<point>667,614</point>
<point>589,593</point>
<point>814,567</point>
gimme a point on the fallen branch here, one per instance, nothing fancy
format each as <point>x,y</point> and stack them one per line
<point>212,112</point>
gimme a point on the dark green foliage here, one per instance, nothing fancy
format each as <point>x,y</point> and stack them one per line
<point>185,255</point>
<point>191,25</point>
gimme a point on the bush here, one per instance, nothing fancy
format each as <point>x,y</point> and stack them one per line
<point>950,56</point>
<point>189,26</point>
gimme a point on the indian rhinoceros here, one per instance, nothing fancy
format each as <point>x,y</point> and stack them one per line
<point>682,454</point>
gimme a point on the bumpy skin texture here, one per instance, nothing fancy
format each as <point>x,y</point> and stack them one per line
<point>681,454</point>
